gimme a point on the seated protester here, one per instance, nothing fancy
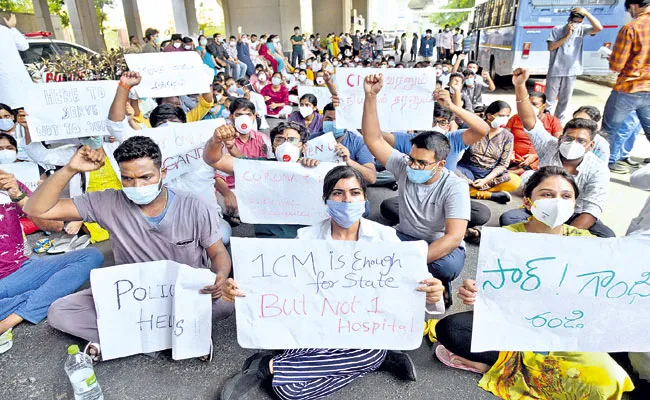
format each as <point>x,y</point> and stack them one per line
<point>434,202</point>
<point>459,95</point>
<point>176,44</point>
<point>147,220</point>
<point>601,145</point>
<point>446,72</point>
<point>14,123</point>
<point>303,80</point>
<point>308,115</point>
<point>344,192</point>
<point>276,97</point>
<point>481,82</point>
<point>199,181</point>
<point>524,374</point>
<point>29,285</point>
<point>571,152</point>
<point>320,79</point>
<point>217,110</point>
<point>261,79</point>
<point>525,158</point>
<point>306,66</point>
<point>257,100</point>
<point>205,104</point>
<point>485,163</point>
<point>231,87</point>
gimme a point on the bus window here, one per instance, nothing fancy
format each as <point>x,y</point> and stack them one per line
<point>576,3</point>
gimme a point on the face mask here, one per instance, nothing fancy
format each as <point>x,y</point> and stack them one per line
<point>346,214</point>
<point>297,32</point>
<point>391,63</point>
<point>498,122</point>
<point>276,81</point>
<point>306,111</point>
<point>428,35</point>
<point>439,129</point>
<point>187,47</point>
<point>233,44</point>
<point>177,45</point>
<point>244,124</point>
<point>446,29</point>
<point>438,72</point>
<point>8,156</point>
<point>6,124</point>
<point>445,69</point>
<point>203,42</point>
<point>536,110</point>
<point>309,63</point>
<point>287,152</point>
<point>246,40</point>
<point>572,150</point>
<point>320,80</point>
<point>419,175</point>
<point>225,113</point>
<point>143,194</point>
<point>473,70</point>
<point>262,78</point>
<point>218,97</point>
<point>552,212</point>
<point>469,82</point>
<point>303,66</point>
<point>384,66</point>
<point>356,59</point>
<point>302,78</point>
<point>330,126</point>
<point>94,142</point>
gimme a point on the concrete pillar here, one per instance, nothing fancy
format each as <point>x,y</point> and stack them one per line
<point>185,17</point>
<point>330,16</point>
<point>132,18</point>
<point>85,25</point>
<point>192,21</point>
<point>42,14</point>
<point>363,9</point>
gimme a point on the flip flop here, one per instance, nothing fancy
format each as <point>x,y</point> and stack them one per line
<point>445,356</point>
<point>80,242</point>
<point>42,246</point>
<point>60,245</point>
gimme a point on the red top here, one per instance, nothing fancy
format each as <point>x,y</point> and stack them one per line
<point>12,245</point>
<point>523,145</point>
<point>281,96</point>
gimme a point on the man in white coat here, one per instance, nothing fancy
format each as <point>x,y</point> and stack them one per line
<point>14,78</point>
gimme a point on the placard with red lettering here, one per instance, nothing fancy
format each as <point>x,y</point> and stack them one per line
<point>329,294</point>
<point>274,192</point>
<point>404,103</point>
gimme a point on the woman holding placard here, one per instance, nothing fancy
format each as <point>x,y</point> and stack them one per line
<point>344,192</point>
<point>550,195</point>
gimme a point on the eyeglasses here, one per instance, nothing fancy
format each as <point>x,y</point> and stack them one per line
<point>570,139</point>
<point>413,163</point>
<point>441,122</point>
<point>281,139</point>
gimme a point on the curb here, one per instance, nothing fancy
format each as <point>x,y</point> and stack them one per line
<point>601,80</point>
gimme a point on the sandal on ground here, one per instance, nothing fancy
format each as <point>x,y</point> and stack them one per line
<point>447,357</point>
<point>6,341</point>
<point>42,246</point>
<point>93,351</point>
<point>61,245</point>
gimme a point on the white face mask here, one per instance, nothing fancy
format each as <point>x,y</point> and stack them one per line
<point>262,78</point>
<point>203,42</point>
<point>142,195</point>
<point>320,80</point>
<point>233,44</point>
<point>188,47</point>
<point>302,78</point>
<point>177,45</point>
<point>572,150</point>
<point>553,212</point>
<point>287,152</point>
<point>303,66</point>
<point>8,156</point>
<point>306,111</point>
<point>498,122</point>
<point>244,124</point>
<point>276,81</point>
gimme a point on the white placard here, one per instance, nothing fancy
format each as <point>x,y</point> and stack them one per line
<point>404,103</point>
<point>322,148</point>
<point>323,95</point>
<point>274,192</point>
<point>25,173</point>
<point>329,294</point>
<point>170,74</point>
<point>147,307</point>
<point>64,110</point>
<point>558,293</point>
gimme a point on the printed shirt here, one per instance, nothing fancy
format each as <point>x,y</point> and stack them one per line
<point>12,242</point>
<point>631,56</point>
<point>592,178</point>
<point>489,153</point>
<point>231,51</point>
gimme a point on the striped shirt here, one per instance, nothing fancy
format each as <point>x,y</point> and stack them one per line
<point>631,56</point>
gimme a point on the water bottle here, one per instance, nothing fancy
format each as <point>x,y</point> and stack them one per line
<point>79,368</point>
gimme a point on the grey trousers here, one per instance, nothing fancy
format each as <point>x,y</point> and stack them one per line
<point>559,90</point>
<point>75,314</point>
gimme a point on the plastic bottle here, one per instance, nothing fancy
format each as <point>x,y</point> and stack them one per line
<point>79,368</point>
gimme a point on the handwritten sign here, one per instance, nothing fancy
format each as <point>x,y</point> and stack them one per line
<point>170,74</point>
<point>64,110</point>
<point>323,95</point>
<point>329,294</point>
<point>558,293</point>
<point>405,102</point>
<point>153,306</point>
<point>322,148</point>
<point>280,192</point>
<point>25,172</point>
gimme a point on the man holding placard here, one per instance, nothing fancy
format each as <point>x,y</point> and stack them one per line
<point>147,222</point>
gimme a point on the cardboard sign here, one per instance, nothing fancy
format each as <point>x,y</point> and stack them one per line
<point>64,110</point>
<point>323,95</point>
<point>558,293</point>
<point>25,173</point>
<point>329,294</point>
<point>147,307</point>
<point>170,74</point>
<point>404,103</point>
<point>273,192</point>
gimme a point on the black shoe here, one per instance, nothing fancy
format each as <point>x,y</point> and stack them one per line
<point>394,187</point>
<point>618,168</point>
<point>646,160</point>
<point>399,364</point>
<point>247,385</point>
<point>629,161</point>
<point>501,197</point>
<point>253,362</point>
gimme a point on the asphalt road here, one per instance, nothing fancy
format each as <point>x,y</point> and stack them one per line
<point>34,367</point>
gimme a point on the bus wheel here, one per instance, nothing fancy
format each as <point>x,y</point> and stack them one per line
<point>493,72</point>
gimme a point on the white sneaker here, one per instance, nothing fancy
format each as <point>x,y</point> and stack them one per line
<point>6,341</point>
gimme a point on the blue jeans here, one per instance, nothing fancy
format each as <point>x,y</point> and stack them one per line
<point>619,105</point>
<point>622,142</point>
<point>40,281</point>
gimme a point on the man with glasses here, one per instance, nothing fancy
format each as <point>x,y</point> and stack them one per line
<point>434,203</point>
<point>571,151</point>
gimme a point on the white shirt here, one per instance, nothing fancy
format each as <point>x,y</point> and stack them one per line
<point>641,180</point>
<point>369,231</point>
<point>593,174</point>
<point>15,81</point>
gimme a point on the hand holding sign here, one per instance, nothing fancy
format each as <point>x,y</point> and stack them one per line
<point>8,183</point>
<point>215,290</point>
<point>433,288</point>
<point>443,97</point>
<point>467,292</point>
<point>86,160</point>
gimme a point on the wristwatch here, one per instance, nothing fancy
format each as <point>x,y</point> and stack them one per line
<point>19,198</point>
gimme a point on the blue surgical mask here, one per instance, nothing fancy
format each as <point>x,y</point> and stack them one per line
<point>469,82</point>
<point>94,142</point>
<point>143,195</point>
<point>346,214</point>
<point>419,175</point>
<point>330,126</point>
<point>6,124</point>
<point>276,81</point>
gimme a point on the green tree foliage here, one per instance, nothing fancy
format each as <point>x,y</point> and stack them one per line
<point>56,8</point>
<point>17,6</point>
<point>453,19</point>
